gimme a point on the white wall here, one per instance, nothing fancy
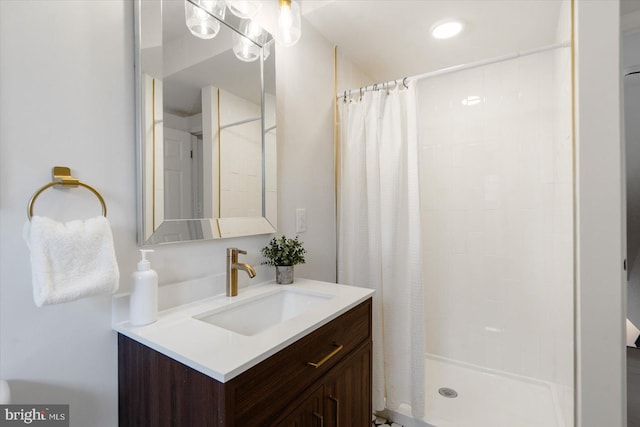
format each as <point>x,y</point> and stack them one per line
<point>240,157</point>
<point>497,224</point>
<point>305,149</point>
<point>350,75</point>
<point>68,99</point>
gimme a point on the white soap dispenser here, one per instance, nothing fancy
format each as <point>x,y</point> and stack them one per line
<point>143,303</point>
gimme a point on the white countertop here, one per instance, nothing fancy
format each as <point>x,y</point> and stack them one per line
<point>222,354</point>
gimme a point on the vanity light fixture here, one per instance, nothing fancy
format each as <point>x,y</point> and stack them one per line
<point>289,28</point>
<point>203,19</point>
<point>446,29</point>
<point>199,19</point>
<point>245,9</point>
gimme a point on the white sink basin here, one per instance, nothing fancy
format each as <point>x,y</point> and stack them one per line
<point>254,315</point>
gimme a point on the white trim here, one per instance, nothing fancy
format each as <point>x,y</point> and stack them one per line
<point>600,290</point>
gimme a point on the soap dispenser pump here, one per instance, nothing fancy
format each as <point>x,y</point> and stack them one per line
<point>143,303</point>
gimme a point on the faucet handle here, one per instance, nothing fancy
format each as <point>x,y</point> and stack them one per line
<point>236,251</point>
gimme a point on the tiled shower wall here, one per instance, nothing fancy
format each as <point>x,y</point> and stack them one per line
<point>496,182</point>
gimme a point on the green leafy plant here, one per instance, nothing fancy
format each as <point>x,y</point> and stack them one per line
<point>284,251</point>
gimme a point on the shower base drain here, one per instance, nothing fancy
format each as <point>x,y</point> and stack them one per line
<point>448,392</point>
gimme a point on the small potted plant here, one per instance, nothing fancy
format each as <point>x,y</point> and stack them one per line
<point>284,253</point>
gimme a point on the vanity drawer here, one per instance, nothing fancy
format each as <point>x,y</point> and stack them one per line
<point>288,373</point>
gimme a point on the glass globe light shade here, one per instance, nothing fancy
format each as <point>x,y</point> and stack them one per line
<point>289,28</point>
<point>247,47</point>
<point>245,9</point>
<point>244,49</point>
<point>199,20</point>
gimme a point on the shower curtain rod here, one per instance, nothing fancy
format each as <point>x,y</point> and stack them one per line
<point>394,83</point>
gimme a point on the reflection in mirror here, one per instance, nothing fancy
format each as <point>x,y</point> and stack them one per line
<point>207,135</point>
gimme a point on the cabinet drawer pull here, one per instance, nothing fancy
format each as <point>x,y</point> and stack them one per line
<point>327,357</point>
<point>320,417</point>
<point>337,402</point>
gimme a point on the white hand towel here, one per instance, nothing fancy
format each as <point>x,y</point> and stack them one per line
<point>71,260</point>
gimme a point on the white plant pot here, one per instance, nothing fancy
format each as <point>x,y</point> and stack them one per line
<point>284,274</point>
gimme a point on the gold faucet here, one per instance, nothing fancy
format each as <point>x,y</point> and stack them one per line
<point>232,270</point>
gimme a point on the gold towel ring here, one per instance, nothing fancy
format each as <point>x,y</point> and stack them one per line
<point>62,176</point>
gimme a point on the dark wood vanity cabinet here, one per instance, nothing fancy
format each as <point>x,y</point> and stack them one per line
<point>321,380</point>
<point>309,413</point>
<point>343,399</point>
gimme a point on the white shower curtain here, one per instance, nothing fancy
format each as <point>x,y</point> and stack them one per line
<point>379,237</point>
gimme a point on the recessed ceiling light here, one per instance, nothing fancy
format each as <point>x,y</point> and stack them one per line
<point>446,29</point>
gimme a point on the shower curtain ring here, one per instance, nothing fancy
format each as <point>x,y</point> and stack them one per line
<point>344,99</point>
<point>404,83</point>
<point>361,92</point>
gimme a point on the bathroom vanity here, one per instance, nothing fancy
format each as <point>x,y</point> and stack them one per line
<point>311,369</point>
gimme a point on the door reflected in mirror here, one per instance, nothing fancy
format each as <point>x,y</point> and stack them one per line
<point>207,128</point>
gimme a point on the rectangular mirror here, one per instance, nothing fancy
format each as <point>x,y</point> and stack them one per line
<point>206,127</point>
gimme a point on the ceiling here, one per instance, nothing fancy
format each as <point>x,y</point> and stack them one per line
<point>390,39</point>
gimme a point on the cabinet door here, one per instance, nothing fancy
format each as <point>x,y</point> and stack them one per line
<point>261,393</point>
<point>347,393</point>
<point>307,414</point>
